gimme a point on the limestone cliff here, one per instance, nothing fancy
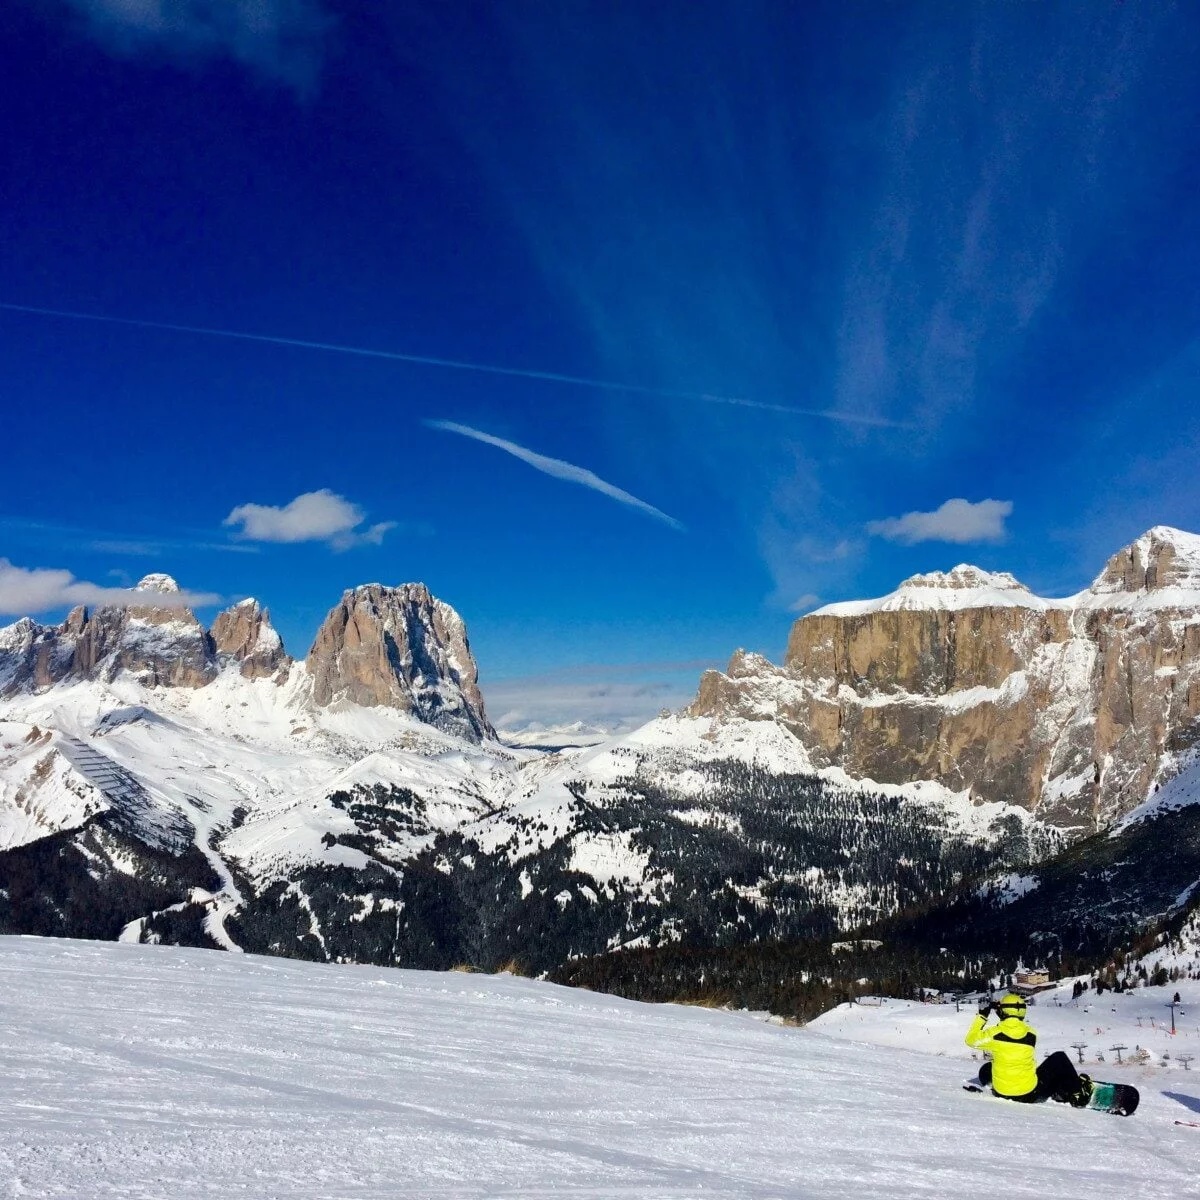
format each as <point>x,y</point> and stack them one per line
<point>160,643</point>
<point>1074,708</point>
<point>244,633</point>
<point>380,646</point>
<point>403,648</point>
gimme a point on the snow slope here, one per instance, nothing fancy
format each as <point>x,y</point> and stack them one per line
<point>250,748</point>
<point>1133,1019</point>
<point>157,1072</point>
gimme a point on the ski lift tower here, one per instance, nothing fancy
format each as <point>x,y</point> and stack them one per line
<point>1079,1048</point>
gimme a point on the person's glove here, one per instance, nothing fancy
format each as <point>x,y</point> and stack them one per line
<point>985,1006</point>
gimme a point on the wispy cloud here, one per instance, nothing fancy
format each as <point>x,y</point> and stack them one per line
<point>997,159</point>
<point>803,603</point>
<point>954,521</point>
<point>609,697</point>
<point>26,591</point>
<point>425,360</point>
<point>99,541</point>
<point>558,469</point>
<point>320,516</point>
<point>280,39</point>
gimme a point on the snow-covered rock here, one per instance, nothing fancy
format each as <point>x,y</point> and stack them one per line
<point>1075,708</point>
<point>244,633</point>
<point>161,644</point>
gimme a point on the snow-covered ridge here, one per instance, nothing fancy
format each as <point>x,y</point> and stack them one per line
<point>963,587</point>
<point>1161,569</point>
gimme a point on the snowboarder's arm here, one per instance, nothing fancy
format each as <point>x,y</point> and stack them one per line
<point>977,1037</point>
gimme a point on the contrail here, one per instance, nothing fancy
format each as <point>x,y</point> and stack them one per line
<point>558,469</point>
<point>426,360</point>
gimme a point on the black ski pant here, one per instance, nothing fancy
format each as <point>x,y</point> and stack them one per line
<point>1057,1079</point>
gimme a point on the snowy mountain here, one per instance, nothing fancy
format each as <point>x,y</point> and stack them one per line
<point>572,735</point>
<point>160,781</point>
<point>244,812</point>
<point>1074,708</point>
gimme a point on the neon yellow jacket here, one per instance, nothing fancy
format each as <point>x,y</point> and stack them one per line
<point>1012,1045</point>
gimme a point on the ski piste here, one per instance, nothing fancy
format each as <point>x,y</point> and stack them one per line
<point>1119,1099</point>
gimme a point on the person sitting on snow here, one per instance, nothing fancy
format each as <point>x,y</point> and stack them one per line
<point>1012,1047</point>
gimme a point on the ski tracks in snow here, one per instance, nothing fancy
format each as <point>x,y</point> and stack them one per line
<point>142,1071</point>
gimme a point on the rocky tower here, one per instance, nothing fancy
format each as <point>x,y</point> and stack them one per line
<point>1074,708</point>
<point>244,634</point>
<point>399,647</point>
<point>160,643</point>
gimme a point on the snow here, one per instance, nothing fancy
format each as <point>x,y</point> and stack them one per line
<point>537,736</point>
<point>1138,1018</point>
<point>950,591</point>
<point>608,857</point>
<point>157,582</point>
<point>1176,793</point>
<point>151,1071</point>
<point>967,587</point>
<point>41,790</point>
<point>1009,888</point>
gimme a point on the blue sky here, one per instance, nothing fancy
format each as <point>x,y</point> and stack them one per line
<point>752,282</point>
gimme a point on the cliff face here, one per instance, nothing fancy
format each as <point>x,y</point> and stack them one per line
<point>402,648</point>
<point>396,647</point>
<point>244,633</point>
<point>1073,708</point>
<point>159,643</point>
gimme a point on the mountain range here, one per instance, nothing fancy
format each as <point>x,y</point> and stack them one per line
<point>160,781</point>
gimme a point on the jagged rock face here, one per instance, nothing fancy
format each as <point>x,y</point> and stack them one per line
<point>402,648</point>
<point>396,647</point>
<point>244,634</point>
<point>159,644</point>
<point>1073,708</point>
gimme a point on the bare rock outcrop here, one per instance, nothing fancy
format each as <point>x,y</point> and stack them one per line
<point>380,646</point>
<point>1075,708</point>
<point>402,648</point>
<point>158,643</point>
<point>244,634</point>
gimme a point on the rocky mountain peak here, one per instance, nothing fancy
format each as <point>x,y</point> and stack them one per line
<point>399,647</point>
<point>244,633</point>
<point>1076,707</point>
<point>963,577</point>
<point>157,582</point>
<point>1161,558</point>
<point>158,643</point>
<point>963,587</point>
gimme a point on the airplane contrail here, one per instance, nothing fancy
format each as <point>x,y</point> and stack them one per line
<point>558,468</point>
<point>427,360</point>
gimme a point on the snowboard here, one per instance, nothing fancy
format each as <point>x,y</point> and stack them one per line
<point>1120,1099</point>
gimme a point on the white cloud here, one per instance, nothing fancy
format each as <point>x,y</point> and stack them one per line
<point>281,39</point>
<point>559,469</point>
<point>612,706</point>
<point>955,521</point>
<point>321,516</point>
<point>805,602</point>
<point>24,592</point>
